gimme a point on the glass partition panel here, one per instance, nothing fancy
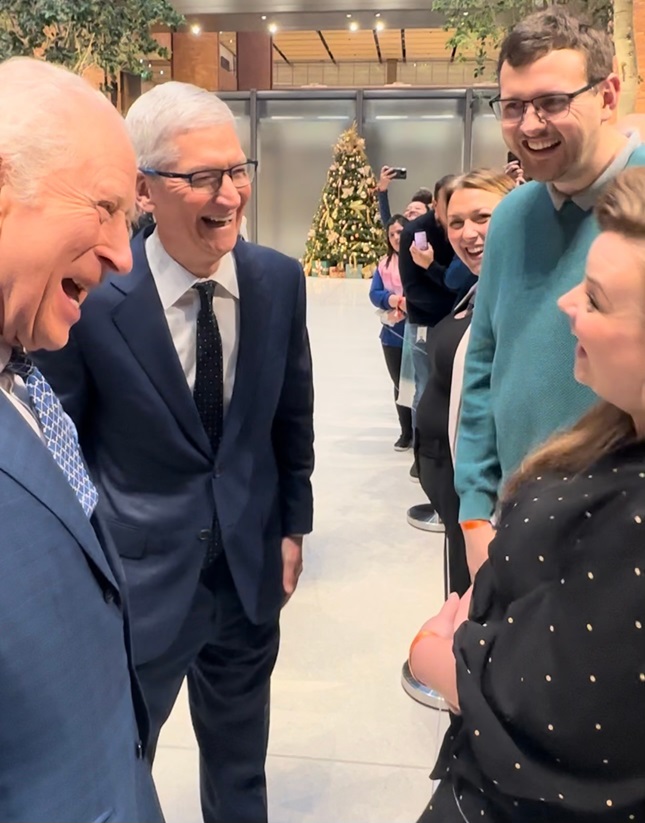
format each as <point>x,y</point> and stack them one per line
<point>488,148</point>
<point>296,138</point>
<point>424,135</point>
<point>241,108</point>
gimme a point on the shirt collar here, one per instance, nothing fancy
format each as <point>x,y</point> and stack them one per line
<point>173,280</point>
<point>586,199</point>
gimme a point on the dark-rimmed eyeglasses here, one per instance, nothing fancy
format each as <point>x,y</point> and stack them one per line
<point>242,175</point>
<point>546,106</point>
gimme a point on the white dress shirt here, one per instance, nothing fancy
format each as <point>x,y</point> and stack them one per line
<point>14,389</point>
<point>180,303</point>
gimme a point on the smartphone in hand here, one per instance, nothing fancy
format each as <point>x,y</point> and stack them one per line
<point>399,174</point>
<point>421,240</point>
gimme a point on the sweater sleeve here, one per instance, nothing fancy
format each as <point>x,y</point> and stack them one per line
<point>384,207</point>
<point>478,471</point>
<point>379,295</point>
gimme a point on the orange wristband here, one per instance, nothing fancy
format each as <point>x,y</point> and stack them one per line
<point>470,525</point>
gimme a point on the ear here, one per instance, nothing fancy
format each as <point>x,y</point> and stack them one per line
<point>610,91</point>
<point>145,199</point>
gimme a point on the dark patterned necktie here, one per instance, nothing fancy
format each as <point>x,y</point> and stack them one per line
<point>58,430</point>
<point>209,388</point>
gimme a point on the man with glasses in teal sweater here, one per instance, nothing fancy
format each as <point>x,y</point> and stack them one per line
<point>557,99</point>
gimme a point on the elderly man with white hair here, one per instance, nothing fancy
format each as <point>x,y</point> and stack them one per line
<point>74,726</point>
<point>190,383</point>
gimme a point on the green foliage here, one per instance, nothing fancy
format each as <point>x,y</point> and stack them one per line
<point>481,25</point>
<point>113,35</point>
<point>346,228</point>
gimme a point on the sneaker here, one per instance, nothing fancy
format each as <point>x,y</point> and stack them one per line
<point>425,517</point>
<point>403,444</point>
<point>414,473</point>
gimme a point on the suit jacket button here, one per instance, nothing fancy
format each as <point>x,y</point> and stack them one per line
<point>139,750</point>
<point>205,535</point>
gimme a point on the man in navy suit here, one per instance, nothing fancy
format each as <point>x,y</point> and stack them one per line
<point>190,383</point>
<point>74,727</point>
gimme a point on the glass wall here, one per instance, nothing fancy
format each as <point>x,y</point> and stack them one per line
<point>296,138</point>
<point>292,134</point>
<point>424,135</point>
<point>488,148</point>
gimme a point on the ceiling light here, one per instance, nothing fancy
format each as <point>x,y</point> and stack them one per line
<point>161,72</point>
<point>380,25</point>
<point>378,14</point>
<point>348,16</point>
<point>273,28</point>
<point>264,17</point>
<point>196,29</point>
<point>353,26</point>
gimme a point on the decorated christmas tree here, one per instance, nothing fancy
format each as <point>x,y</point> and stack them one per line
<point>346,233</point>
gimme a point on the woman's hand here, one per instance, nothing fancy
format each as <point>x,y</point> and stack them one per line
<point>387,175</point>
<point>431,658</point>
<point>422,257</point>
<point>443,624</point>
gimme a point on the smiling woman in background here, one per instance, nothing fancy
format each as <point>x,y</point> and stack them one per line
<point>386,293</point>
<point>471,201</point>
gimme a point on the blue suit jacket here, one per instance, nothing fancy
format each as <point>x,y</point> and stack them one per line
<point>121,381</point>
<point>73,727</point>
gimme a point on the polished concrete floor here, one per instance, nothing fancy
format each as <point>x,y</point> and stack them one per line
<point>347,744</point>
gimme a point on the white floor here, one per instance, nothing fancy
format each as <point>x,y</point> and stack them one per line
<point>347,744</point>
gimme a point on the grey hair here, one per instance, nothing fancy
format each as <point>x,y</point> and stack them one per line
<point>40,103</point>
<point>166,111</point>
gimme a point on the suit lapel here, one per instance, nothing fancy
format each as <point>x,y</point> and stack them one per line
<point>140,319</point>
<point>26,458</point>
<point>255,307</point>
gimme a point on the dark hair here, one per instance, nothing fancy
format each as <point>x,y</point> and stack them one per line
<point>422,195</point>
<point>441,184</point>
<point>554,29</point>
<point>396,218</point>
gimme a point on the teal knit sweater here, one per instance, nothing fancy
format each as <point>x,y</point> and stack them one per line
<point>518,384</point>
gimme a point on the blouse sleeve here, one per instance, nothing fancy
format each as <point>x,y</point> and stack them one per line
<point>552,689</point>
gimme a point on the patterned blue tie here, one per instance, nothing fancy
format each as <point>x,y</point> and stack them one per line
<point>58,430</point>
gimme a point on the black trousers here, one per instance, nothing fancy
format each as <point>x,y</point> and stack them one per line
<point>228,662</point>
<point>393,356</point>
<point>437,479</point>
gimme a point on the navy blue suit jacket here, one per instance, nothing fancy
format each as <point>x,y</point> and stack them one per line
<point>121,381</point>
<point>72,736</point>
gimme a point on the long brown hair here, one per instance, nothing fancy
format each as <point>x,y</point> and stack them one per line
<point>621,209</point>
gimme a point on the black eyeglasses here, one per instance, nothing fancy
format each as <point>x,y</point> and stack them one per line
<point>546,106</point>
<point>242,175</point>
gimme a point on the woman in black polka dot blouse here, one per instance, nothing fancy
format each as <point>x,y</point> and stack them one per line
<point>547,675</point>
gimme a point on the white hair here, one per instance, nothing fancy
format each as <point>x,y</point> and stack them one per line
<point>166,111</point>
<point>40,103</point>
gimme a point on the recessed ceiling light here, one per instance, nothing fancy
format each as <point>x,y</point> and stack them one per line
<point>264,17</point>
<point>348,16</point>
<point>196,29</point>
<point>273,28</point>
<point>353,26</point>
<point>378,14</point>
<point>380,25</point>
